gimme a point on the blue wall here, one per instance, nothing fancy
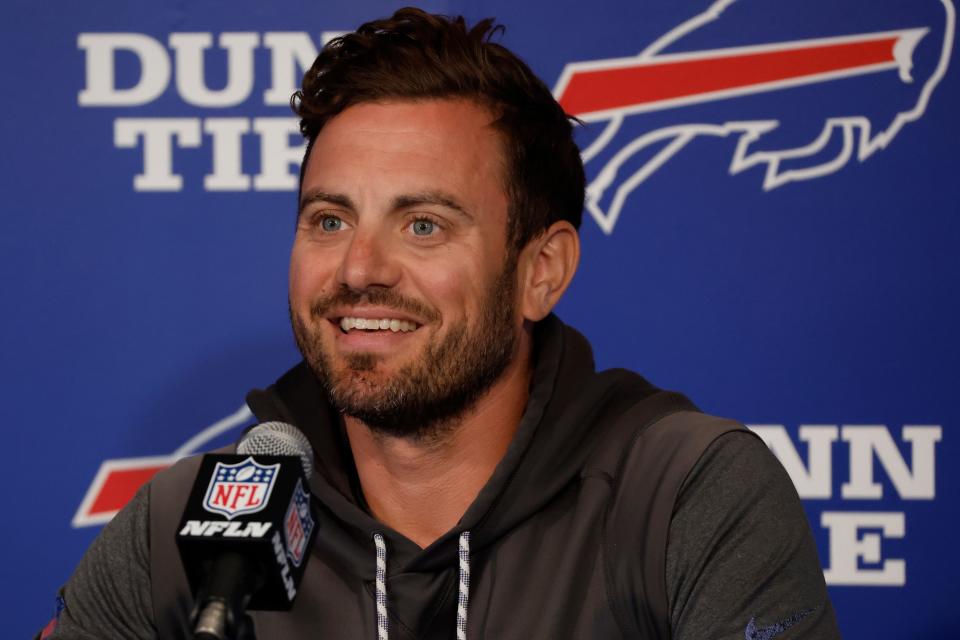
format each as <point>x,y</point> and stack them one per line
<point>782,248</point>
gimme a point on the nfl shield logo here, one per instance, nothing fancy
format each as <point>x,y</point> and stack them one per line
<point>298,524</point>
<point>240,488</point>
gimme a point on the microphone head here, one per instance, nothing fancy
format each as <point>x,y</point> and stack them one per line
<point>278,439</point>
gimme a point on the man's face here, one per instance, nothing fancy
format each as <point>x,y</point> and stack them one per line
<point>402,290</point>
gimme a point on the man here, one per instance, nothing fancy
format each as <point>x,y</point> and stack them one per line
<point>465,445</point>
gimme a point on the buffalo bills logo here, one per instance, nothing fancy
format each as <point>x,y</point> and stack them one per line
<point>800,91</point>
<point>240,488</point>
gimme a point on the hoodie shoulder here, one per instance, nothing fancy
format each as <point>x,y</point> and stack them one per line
<point>650,452</point>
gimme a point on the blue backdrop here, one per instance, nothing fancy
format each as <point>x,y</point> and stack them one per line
<point>772,228</point>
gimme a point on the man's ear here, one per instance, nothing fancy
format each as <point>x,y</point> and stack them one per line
<point>547,265</point>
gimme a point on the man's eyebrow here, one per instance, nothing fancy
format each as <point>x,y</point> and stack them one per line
<point>317,195</point>
<point>430,197</point>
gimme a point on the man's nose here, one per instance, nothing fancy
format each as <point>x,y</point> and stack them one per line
<point>369,261</point>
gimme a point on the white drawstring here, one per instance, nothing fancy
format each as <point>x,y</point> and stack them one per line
<point>463,595</point>
<point>463,598</point>
<point>383,632</point>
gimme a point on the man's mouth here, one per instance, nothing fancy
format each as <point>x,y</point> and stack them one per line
<point>349,323</point>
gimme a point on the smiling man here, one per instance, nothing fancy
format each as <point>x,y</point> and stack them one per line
<point>475,475</point>
<point>411,307</point>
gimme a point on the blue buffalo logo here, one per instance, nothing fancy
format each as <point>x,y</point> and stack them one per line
<point>240,488</point>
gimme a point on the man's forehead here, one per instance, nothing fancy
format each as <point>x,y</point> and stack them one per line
<point>447,118</point>
<point>456,130</point>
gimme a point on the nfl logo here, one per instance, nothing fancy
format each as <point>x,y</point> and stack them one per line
<point>298,524</point>
<point>240,488</point>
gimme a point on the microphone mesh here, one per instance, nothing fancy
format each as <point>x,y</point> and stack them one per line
<point>278,439</point>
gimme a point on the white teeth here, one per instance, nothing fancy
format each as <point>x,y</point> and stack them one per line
<point>371,324</point>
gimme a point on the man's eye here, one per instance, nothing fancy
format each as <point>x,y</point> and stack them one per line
<point>423,227</point>
<point>331,223</point>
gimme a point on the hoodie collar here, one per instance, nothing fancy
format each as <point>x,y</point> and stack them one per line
<point>548,451</point>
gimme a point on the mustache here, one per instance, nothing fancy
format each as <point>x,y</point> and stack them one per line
<point>379,296</point>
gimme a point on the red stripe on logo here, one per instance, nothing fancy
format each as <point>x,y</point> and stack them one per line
<point>653,80</point>
<point>120,486</point>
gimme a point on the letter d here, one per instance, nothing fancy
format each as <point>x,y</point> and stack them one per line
<point>101,89</point>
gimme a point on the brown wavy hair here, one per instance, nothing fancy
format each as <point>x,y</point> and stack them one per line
<point>414,55</point>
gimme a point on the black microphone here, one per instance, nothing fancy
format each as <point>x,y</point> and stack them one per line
<point>247,530</point>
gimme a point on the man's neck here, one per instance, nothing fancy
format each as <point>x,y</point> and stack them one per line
<point>421,488</point>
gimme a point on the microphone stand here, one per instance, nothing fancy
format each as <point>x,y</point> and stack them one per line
<point>222,607</point>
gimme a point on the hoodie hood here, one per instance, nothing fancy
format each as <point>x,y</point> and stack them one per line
<point>548,452</point>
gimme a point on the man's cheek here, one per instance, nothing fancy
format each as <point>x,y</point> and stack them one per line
<point>308,268</point>
<point>452,291</point>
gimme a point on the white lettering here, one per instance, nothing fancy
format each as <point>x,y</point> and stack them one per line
<point>257,529</point>
<point>847,547</point>
<point>277,154</point>
<point>194,528</point>
<point>327,36</point>
<point>191,77</point>
<point>228,529</point>
<point>158,138</point>
<point>227,154</point>
<point>916,482</point>
<point>291,54</point>
<point>813,480</point>
<point>285,576</point>
<point>101,88</point>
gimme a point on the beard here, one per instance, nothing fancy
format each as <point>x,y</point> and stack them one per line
<point>426,397</point>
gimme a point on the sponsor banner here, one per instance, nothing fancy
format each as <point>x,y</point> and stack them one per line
<point>770,227</point>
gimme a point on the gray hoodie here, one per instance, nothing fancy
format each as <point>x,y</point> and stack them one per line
<point>618,511</point>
